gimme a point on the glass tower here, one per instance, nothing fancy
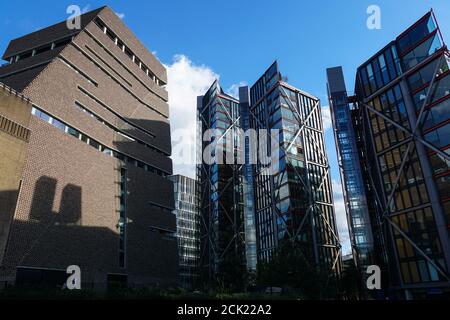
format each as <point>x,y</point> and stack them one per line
<point>250,207</point>
<point>367,249</point>
<point>402,95</point>
<point>188,229</point>
<point>221,189</point>
<point>294,203</point>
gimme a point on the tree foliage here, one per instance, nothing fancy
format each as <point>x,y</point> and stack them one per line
<point>289,268</point>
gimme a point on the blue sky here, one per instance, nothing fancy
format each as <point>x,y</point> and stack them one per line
<point>238,39</point>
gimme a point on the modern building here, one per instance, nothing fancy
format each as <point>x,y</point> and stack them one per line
<point>220,189</point>
<point>188,229</point>
<point>364,224</point>
<point>15,113</point>
<point>252,206</point>
<point>400,113</point>
<point>296,201</point>
<point>94,190</point>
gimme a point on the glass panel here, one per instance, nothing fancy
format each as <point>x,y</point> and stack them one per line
<point>413,36</point>
<point>422,52</point>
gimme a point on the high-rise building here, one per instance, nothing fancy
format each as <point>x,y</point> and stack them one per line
<point>252,206</point>
<point>188,229</point>
<point>220,188</point>
<point>363,222</point>
<point>400,114</point>
<point>296,202</point>
<point>94,191</point>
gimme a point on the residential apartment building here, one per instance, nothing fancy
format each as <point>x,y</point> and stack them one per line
<point>94,190</point>
<point>268,203</point>
<point>220,189</point>
<point>296,201</point>
<point>364,224</point>
<point>400,110</point>
<point>188,229</point>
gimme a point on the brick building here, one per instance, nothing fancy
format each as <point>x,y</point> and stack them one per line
<point>15,113</point>
<point>94,190</point>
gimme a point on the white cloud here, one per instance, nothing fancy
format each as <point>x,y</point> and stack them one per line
<point>326,118</point>
<point>341,217</point>
<point>186,81</point>
<point>233,90</point>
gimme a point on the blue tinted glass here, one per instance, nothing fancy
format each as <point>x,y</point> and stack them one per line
<point>58,124</point>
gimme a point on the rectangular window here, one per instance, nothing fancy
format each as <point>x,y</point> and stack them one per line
<point>416,34</point>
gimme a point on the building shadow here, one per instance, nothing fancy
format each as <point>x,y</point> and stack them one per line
<point>39,249</point>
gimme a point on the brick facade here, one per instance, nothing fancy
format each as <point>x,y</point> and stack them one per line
<point>68,208</point>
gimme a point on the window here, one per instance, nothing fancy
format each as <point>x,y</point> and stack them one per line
<point>439,163</point>
<point>75,133</point>
<point>43,49</point>
<point>62,43</point>
<point>422,52</point>
<point>425,75</point>
<point>417,33</point>
<point>443,184</point>
<point>94,144</point>
<point>439,137</point>
<point>437,114</point>
<point>127,51</point>
<point>58,124</point>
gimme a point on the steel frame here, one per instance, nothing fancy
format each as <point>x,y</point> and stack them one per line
<point>313,211</point>
<point>414,137</point>
<point>215,254</point>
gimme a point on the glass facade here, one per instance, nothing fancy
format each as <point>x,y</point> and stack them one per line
<point>248,187</point>
<point>402,94</point>
<point>188,229</point>
<point>221,189</point>
<point>355,189</point>
<point>249,208</point>
<point>296,202</point>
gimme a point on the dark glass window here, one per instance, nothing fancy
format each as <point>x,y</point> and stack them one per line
<point>426,74</point>
<point>73,132</point>
<point>437,114</point>
<point>94,144</point>
<point>439,163</point>
<point>62,43</point>
<point>439,137</point>
<point>417,33</point>
<point>443,184</point>
<point>422,52</point>
<point>390,64</point>
<point>44,49</point>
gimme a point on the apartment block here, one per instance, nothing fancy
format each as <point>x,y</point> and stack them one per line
<point>266,204</point>
<point>400,113</point>
<point>188,229</point>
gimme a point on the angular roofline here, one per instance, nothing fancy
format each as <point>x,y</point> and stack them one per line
<point>396,39</point>
<point>14,46</point>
